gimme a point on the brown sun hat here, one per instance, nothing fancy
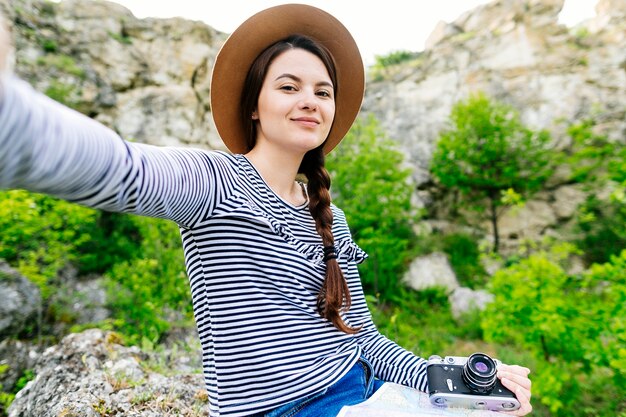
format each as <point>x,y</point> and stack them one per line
<point>262,30</point>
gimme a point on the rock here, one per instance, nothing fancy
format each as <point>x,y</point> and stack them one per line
<point>566,201</point>
<point>89,301</point>
<point>21,300</point>
<point>464,300</point>
<point>516,52</point>
<point>432,270</point>
<point>146,78</point>
<point>18,357</point>
<point>90,374</point>
<point>149,78</point>
<point>526,222</point>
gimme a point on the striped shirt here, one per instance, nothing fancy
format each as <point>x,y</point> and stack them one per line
<point>254,261</point>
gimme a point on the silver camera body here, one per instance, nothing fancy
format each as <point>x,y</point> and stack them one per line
<point>468,382</point>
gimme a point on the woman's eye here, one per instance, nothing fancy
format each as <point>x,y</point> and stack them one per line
<point>288,88</point>
<point>323,93</point>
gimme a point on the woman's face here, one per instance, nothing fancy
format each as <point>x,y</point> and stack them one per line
<point>296,105</point>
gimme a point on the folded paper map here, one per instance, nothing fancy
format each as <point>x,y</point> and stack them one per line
<point>393,400</point>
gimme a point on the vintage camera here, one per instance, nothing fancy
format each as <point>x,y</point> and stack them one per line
<point>468,383</point>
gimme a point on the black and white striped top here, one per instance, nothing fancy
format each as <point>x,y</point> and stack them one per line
<point>254,261</point>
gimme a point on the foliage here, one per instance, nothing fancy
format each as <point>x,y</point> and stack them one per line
<point>64,63</point>
<point>49,45</point>
<point>385,65</point>
<point>463,253</point>
<point>122,38</point>
<point>591,154</point>
<point>487,152</point>
<point>464,256</point>
<point>574,327</point>
<point>147,291</point>
<point>372,187</point>
<point>418,321</point>
<point>602,229</point>
<point>601,165</point>
<point>394,58</point>
<point>6,398</point>
<point>41,235</point>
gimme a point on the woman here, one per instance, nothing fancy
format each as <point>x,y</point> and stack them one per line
<point>277,299</point>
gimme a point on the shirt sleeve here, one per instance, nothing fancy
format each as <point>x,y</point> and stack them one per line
<point>391,362</point>
<point>46,147</point>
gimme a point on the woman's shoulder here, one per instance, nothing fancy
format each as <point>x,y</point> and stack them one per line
<point>338,215</point>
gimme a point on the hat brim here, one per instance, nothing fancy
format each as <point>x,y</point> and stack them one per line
<point>262,30</point>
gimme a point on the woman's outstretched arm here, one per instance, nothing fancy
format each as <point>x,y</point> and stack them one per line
<point>46,147</point>
<point>49,148</point>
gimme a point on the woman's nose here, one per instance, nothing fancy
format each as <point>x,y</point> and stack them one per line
<point>307,101</point>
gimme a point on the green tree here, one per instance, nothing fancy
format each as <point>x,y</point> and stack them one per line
<point>371,184</point>
<point>488,153</point>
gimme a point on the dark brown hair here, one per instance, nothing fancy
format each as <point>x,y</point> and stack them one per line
<point>334,295</point>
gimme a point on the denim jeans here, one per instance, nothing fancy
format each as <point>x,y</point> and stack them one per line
<point>355,387</point>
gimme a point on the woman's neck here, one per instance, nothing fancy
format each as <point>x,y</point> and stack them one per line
<point>279,170</point>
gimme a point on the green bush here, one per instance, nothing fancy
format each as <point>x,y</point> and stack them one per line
<point>149,291</point>
<point>573,326</point>
<point>601,227</point>
<point>41,235</point>
<point>600,165</point>
<point>394,58</point>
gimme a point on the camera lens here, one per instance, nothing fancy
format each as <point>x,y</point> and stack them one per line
<point>481,367</point>
<point>479,373</point>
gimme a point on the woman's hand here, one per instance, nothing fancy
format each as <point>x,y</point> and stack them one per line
<point>4,44</point>
<point>515,378</point>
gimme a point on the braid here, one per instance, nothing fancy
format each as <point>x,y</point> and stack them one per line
<point>330,300</point>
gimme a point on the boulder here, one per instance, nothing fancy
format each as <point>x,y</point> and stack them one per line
<point>90,374</point>
<point>432,270</point>
<point>21,300</point>
<point>464,300</point>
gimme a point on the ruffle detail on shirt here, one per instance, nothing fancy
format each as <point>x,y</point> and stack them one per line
<point>239,206</point>
<point>346,248</point>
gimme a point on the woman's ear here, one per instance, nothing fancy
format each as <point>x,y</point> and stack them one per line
<point>255,115</point>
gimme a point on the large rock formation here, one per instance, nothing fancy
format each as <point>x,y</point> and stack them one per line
<point>146,78</point>
<point>90,374</point>
<point>516,52</point>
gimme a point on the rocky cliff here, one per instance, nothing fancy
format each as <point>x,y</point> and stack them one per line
<point>145,78</point>
<point>148,78</point>
<point>516,52</point>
